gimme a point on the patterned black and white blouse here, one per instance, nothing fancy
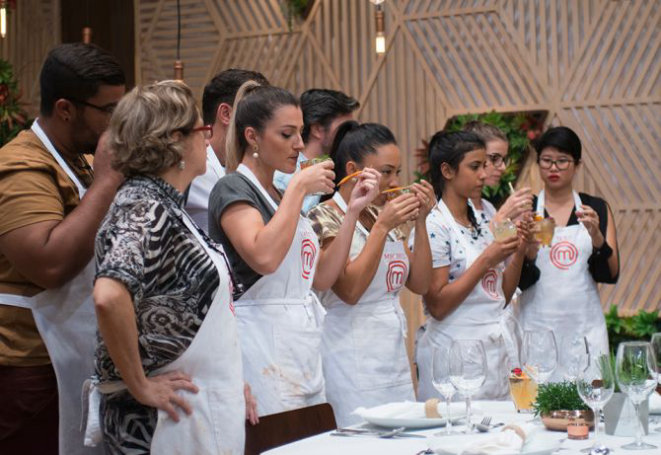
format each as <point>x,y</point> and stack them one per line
<point>144,244</point>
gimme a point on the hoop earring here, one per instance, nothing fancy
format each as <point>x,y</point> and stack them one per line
<point>182,165</point>
<point>255,149</point>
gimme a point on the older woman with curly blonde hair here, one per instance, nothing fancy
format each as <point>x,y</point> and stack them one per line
<point>168,364</point>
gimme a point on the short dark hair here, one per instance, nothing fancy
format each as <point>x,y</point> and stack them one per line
<point>355,142</point>
<point>223,88</point>
<point>254,106</point>
<point>75,71</point>
<point>562,138</point>
<point>322,106</point>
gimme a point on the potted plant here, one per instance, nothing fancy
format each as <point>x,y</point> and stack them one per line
<point>639,327</point>
<point>558,402</point>
<point>619,413</point>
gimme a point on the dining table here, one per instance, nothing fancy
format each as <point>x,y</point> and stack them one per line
<point>499,411</point>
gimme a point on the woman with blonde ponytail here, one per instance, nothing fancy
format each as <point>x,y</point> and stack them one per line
<point>273,250</point>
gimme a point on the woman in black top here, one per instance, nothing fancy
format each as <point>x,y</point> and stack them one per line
<point>559,282</point>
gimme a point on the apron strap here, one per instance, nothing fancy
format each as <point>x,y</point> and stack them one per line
<point>63,164</point>
<point>245,170</point>
<point>540,202</point>
<point>16,301</point>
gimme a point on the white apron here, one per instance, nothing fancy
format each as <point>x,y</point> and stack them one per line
<point>66,321</point>
<point>565,299</point>
<point>363,346</point>
<point>480,317</point>
<point>213,360</point>
<point>279,322</point>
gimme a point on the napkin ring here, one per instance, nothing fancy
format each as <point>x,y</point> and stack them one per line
<point>431,408</point>
<point>517,430</point>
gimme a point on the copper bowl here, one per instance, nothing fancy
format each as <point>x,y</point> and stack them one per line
<point>558,420</point>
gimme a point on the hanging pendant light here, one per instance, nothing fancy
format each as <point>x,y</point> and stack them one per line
<point>380,20</point>
<point>178,63</point>
<point>87,30</point>
<point>3,18</point>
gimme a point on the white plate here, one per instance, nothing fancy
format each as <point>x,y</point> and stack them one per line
<point>541,444</point>
<point>379,416</point>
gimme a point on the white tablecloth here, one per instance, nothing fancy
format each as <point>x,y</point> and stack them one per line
<point>502,411</point>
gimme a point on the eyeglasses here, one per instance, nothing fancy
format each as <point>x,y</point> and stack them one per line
<point>107,109</point>
<point>497,159</point>
<point>547,163</point>
<point>206,129</point>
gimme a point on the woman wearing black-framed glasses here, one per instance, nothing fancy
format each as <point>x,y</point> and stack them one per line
<point>559,282</point>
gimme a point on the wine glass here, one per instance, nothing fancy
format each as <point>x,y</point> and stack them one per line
<point>595,385</point>
<point>656,349</point>
<point>468,371</point>
<point>540,354</point>
<point>574,354</point>
<point>635,370</point>
<point>440,364</point>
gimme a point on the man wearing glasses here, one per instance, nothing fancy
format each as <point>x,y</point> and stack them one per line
<point>51,205</point>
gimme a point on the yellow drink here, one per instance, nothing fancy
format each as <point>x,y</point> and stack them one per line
<point>523,390</point>
<point>503,230</point>
<point>544,229</point>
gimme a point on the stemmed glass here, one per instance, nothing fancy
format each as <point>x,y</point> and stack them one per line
<point>635,371</point>
<point>468,371</point>
<point>595,385</point>
<point>656,349</point>
<point>540,354</point>
<point>440,363</point>
<point>574,356</point>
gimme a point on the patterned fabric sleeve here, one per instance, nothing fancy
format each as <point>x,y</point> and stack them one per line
<point>439,241</point>
<point>120,249</point>
<point>326,222</point>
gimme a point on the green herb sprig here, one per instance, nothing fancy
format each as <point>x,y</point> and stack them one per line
<point>558,396</point>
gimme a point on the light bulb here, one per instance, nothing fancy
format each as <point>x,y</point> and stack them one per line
<point>380,43</point>
<point>3,20</point>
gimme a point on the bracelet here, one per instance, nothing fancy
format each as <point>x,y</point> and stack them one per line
<point>604,251</point>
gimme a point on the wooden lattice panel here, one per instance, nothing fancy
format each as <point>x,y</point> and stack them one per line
<point>593,64</point>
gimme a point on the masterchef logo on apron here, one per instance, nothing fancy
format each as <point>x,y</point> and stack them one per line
<point>395,276</point>
<point>564,255</point>
<point>308,254</point>
<point>490,283</point>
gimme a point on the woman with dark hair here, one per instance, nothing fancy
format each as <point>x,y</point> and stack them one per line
<point>560,283</point>
<point>363,344</point>
<point>273,249</point>
<point>471,284</point>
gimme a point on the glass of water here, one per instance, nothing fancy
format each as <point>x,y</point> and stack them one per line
<point>468,371</point>
<point>441,381</point>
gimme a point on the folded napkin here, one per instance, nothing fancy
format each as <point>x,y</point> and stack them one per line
<point>508,441</point>
<point>405,410</point>
<point>655,403</point>
<point>412,410</point>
